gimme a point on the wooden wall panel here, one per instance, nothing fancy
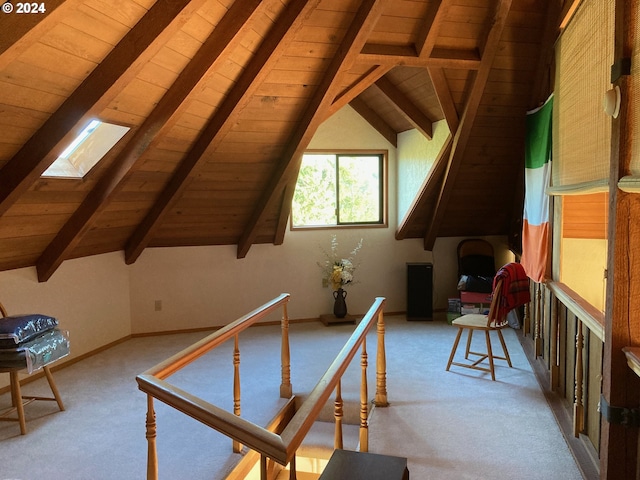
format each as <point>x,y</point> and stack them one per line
<point>77,43</point>
<point>92,22</point>
<point>127,12</point>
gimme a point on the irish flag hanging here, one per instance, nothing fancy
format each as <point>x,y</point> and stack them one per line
<point>535,225</point>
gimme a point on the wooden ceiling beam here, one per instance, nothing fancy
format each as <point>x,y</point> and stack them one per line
<point>373,50</point>
<point>220,40</point>
<point>315,113</point>
<point>358,87</point>
<point>443,92</point>
<point>406,107</point>
<point>102,85</point>
<point>267,54</point>
<point>454,57</point>
<point>544,78</point>
<point>377,122</point>
<point>399,55</point>
<point>461,137</point>
<point>281,227</point>
<point>431,26</point>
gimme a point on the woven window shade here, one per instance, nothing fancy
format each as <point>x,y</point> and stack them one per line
<point>631,183</point>
<point>581,128</point>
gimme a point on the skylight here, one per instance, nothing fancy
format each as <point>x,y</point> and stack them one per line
<point>86,150</point>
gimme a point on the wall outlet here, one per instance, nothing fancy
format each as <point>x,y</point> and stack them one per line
<point>158,305</point>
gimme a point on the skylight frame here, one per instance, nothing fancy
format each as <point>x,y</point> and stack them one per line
<point>86,150</point>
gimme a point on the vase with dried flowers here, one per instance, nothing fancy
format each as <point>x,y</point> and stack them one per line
<point>338,272</point>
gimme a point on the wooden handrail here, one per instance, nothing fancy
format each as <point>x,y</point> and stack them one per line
<point>237,428</point>
<point>586,313</point>
<point>151,381</point>
<point>280,448</point>
<point>633,358</point>
<point>300,424</point>
<point>189,354</point>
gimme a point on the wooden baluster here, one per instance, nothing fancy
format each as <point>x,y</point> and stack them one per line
<point>338,414</point>
<point>526,325</point>
<point>292,469</point>
<point>538,321</point>
<point>152,453</point>
<point>263,467</point>
<point>554,339</point>
<point>286,391</point>
<point>578,407</point>
<point>364,403</point>
<point>381,366</point>
<point>237,447</point>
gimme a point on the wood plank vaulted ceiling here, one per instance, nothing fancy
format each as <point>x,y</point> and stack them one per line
<point>223,97</point>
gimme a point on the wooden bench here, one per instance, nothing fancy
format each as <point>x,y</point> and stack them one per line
<point>350,465</point>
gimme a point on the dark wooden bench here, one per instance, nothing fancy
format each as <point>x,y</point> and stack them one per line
<point>350,465</point>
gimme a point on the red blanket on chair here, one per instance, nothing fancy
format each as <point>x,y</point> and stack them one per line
<point>515,288</point>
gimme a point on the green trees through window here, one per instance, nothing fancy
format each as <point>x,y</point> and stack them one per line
<point>339,189</point>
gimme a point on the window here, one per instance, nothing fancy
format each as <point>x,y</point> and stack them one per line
<point>339,190</point>
<point>86,150</point>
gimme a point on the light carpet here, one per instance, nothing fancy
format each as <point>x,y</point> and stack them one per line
<point>450,425</point>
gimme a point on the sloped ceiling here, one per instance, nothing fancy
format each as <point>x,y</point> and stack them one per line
<point>223,97</point>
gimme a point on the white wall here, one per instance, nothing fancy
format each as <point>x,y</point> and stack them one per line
<point>205,286</point>
<point>416,155</point>
<point>89,297</point>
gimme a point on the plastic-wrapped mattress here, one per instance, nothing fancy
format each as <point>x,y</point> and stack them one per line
<point>36,352</point>
<point>17,329</point>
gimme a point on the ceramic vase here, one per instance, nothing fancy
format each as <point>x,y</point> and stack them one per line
<point>340,305</point>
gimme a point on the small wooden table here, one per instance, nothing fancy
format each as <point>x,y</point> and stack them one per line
<point>331,319</point>
<point>350,465</point>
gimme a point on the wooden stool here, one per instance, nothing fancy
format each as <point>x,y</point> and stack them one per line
<point>18,401</point>
<point>350,465</point>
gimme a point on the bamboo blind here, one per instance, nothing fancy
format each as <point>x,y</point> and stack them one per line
<point>581,128</point>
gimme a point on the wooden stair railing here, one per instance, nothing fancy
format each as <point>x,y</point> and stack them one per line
<point>587,316</point>
<point>567,342</point>
<point>153,381</point>
<point>280,448</point>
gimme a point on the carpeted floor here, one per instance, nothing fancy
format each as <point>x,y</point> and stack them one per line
<point>450,425</point>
